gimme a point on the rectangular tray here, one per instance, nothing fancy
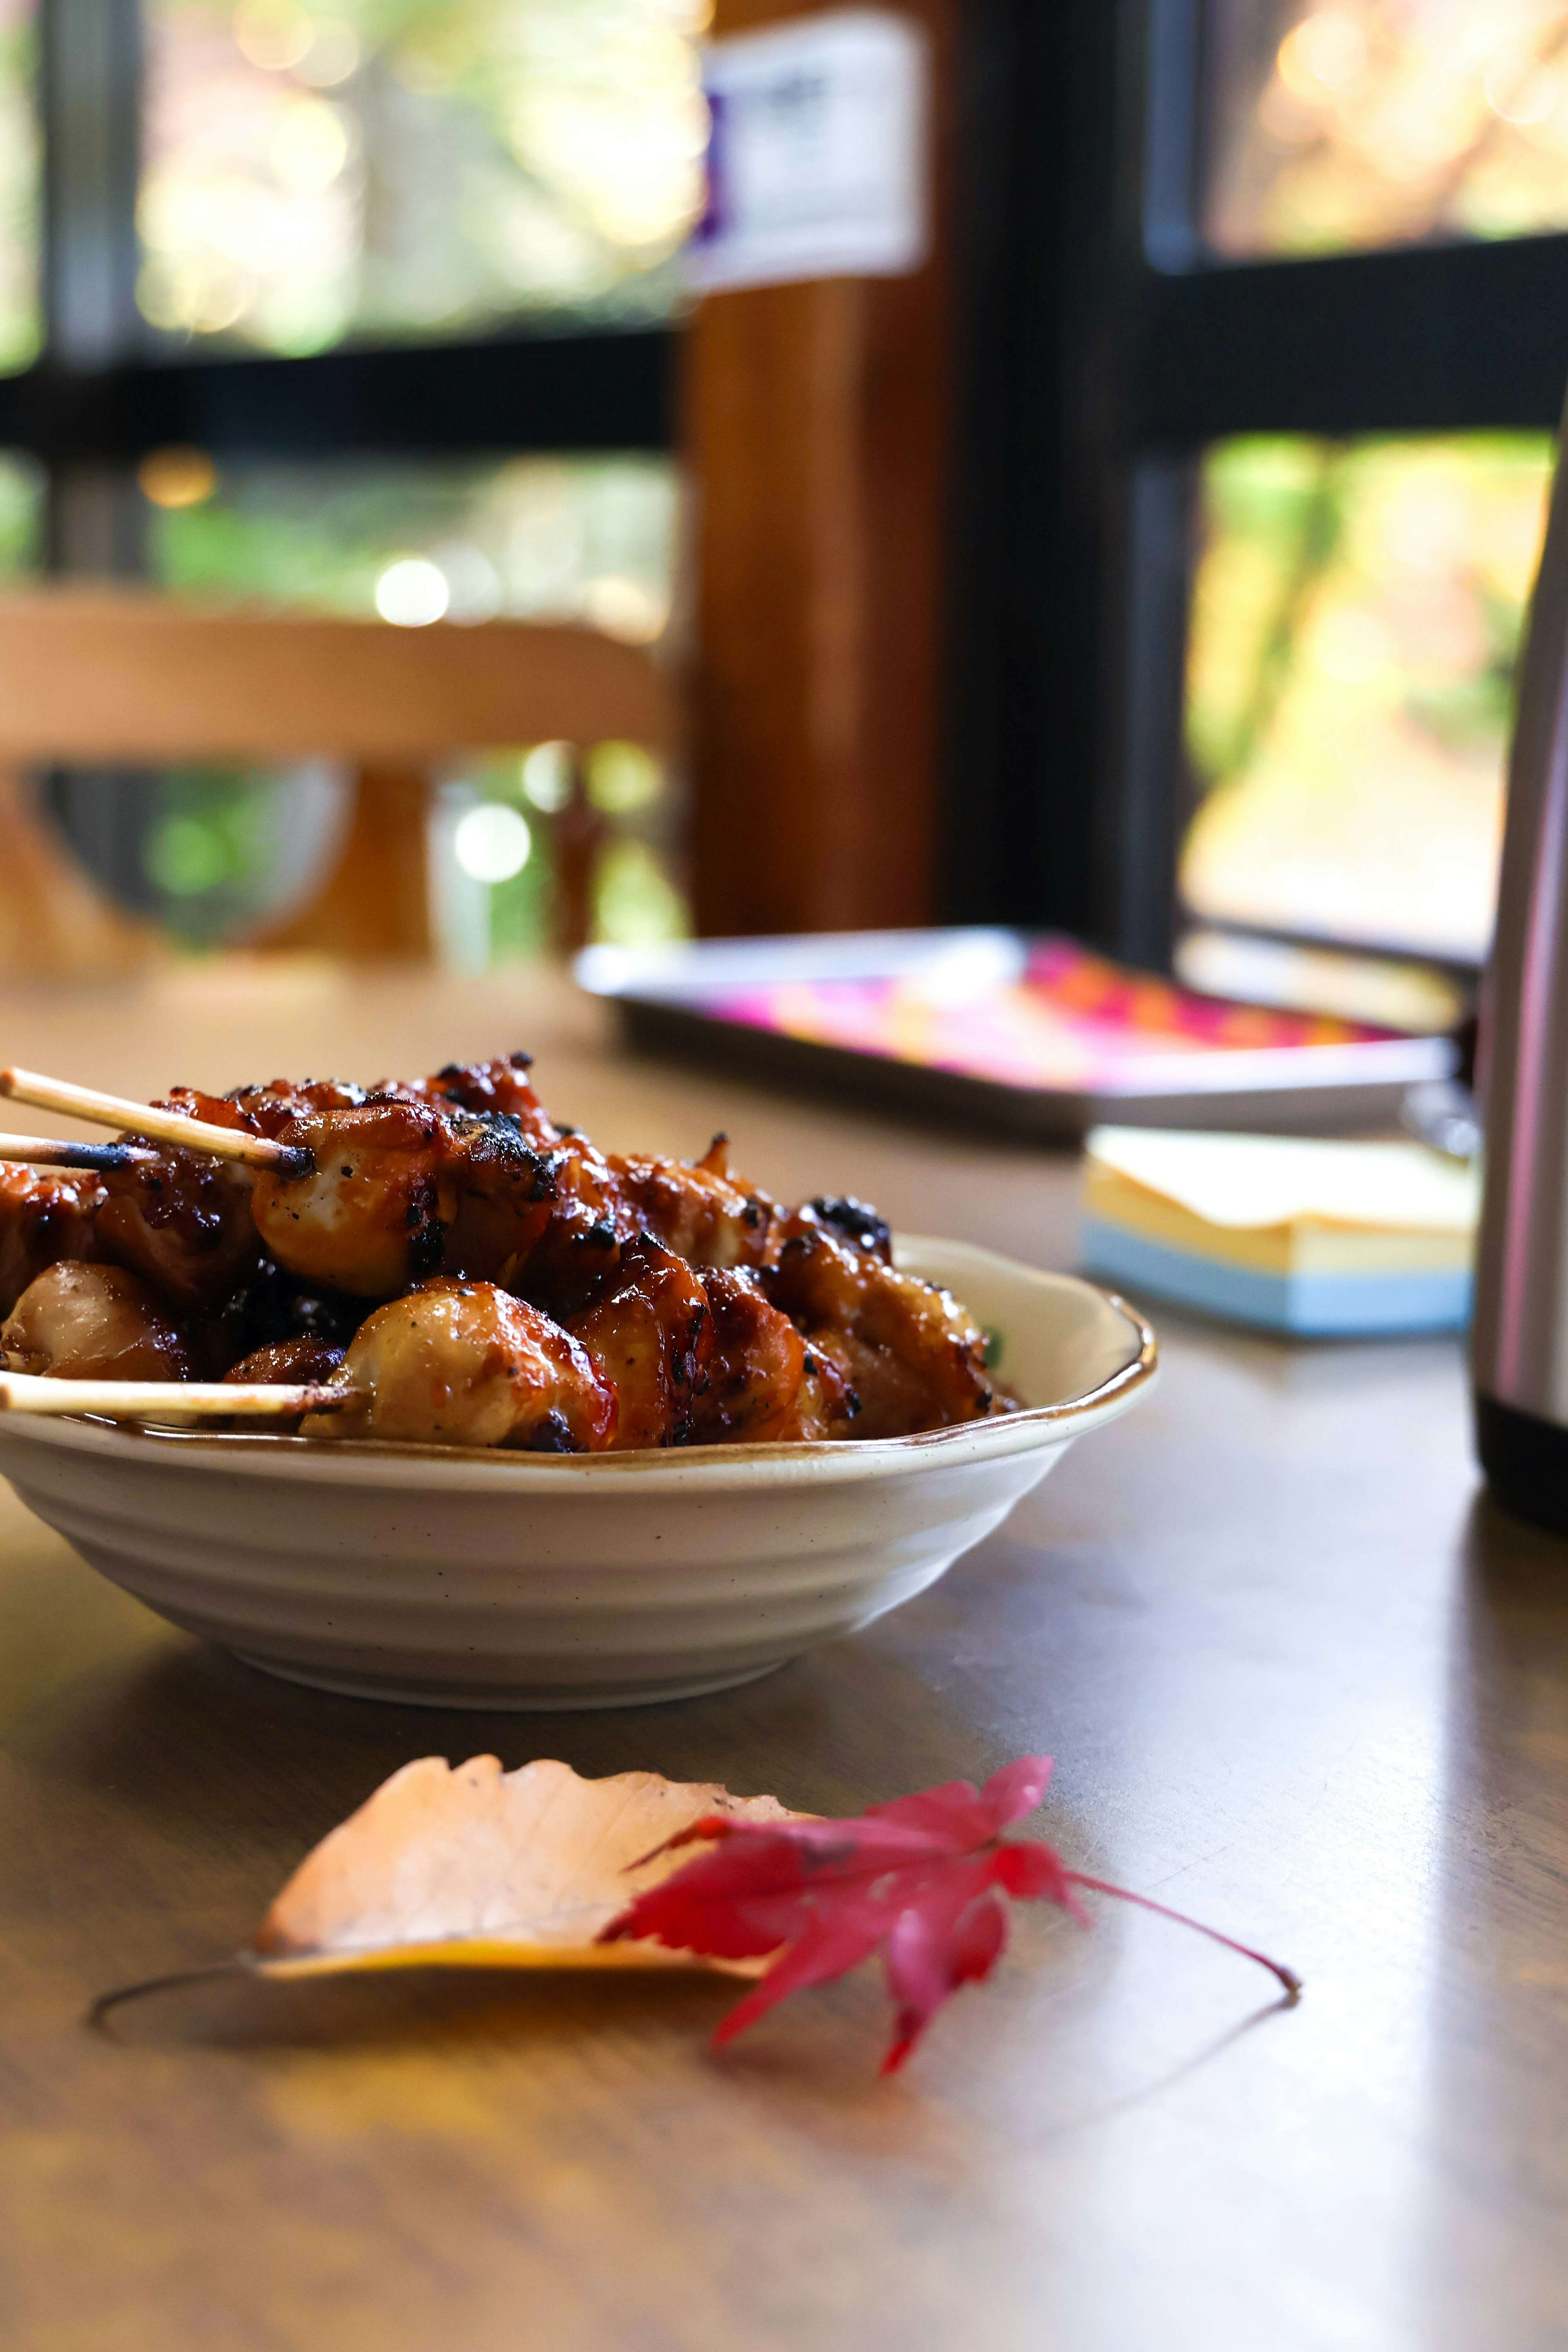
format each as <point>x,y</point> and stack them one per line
<point>678,1002</point>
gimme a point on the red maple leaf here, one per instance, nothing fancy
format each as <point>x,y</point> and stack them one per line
<point>918,1879</point>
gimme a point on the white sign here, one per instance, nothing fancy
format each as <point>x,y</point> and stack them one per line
<point>817,162</point>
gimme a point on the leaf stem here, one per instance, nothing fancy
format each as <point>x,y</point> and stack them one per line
<point>1288,1977</point>
<point>107,2000</point>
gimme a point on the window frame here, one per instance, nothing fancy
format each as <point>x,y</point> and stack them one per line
<point>105,389</point>
<point>1105,349</point>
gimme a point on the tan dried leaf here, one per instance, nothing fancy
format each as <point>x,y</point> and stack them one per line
<point>471,1866</point>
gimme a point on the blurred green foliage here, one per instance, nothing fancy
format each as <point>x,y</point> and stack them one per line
<point>21,191</point>
<point>1355,620</point>
<point>552,538</point>
<point>21,516</point>
<point>1336,123</point>
<point>316,168</point>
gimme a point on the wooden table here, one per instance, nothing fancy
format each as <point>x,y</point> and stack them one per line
<point>1299,1676</point>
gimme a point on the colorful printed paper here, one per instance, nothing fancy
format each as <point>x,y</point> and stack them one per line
<point>1075,1022</point>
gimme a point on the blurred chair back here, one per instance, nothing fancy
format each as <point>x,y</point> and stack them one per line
<point>94,674</point>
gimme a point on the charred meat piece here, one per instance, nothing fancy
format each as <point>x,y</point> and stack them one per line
<point>44,1216</point>
<point>267,1111</point>
<point>499,1088</point>
<point>87,1322</point>
<point>367,1219</point>
<point>184,1222</point>
<point>497,1197</point>
<point>650,1338</point>
<point>270,1308</point>
<point>590,1223</point>
<point>856,1221</point>
<point>914,1356</point>
<point>287,1361</point>
<point>464,1363</point>
<point>696,1208</point>
<point>757,1369</point>
<point>401,1191</point>
<point>829,1403</point>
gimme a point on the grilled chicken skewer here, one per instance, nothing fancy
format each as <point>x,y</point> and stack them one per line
<point>494,1279</point>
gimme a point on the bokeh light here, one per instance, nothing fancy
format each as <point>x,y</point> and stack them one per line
<point>623,777</point>
<point>412,592</point>
<point>547,776</point>
<point>175,477</point>
<point>492,842</point>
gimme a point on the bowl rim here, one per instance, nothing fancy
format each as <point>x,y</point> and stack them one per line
<point>401,1463</point>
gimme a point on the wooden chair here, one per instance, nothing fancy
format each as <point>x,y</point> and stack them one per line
<point>97,674</point>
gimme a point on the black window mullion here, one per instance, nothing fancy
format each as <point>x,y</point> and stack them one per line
<point>1442,339</point>
<point>1140,814</point>
<point>579,392</point>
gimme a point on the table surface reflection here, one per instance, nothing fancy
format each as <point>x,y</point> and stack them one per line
<point>1298,1677</point>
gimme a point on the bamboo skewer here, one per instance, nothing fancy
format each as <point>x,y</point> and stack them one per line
<point>165,1399</point>
<point>40,1152</point>
<point>163,1126</point>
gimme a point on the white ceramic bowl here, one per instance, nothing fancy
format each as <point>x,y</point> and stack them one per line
<point>465,1579</point>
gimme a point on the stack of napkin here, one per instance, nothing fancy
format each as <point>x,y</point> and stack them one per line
<point>1286,1234</point>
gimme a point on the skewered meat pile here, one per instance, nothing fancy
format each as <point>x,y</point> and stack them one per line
<point>453,1267</point>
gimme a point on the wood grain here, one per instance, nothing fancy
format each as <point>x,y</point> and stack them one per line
<point>816,423</point>
<point>1299,1678</point>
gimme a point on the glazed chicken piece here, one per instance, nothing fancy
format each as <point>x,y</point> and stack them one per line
<point>45,1215</point>
<point>588,1226</point>
<point>911,1355</point>
<point>89,1322</point>
<point>286,1362</point>
<point>399,1191</point>
<point>183,1221</point>
<point>650,1338</point>
<point>696,1208</point>
<point>464,1363</point>
<point>764,1385</point>
<point>267,1110</point>
<point>579,1243</point>
<point>498,1089</point>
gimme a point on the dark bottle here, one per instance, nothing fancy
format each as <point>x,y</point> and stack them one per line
<point>1520,1343</point>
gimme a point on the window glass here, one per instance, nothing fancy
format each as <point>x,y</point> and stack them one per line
<point>314,169</point>
<point>528,843</point>
<point>1368,122</point>
<point>22,492</point>
<point>588,539</point>
<point>1356,618</point>
<point>19,186</point>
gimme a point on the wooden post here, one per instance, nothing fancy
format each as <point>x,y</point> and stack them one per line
<point>55,922</point>
<point>374,904</point>
<point>817,419</point>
